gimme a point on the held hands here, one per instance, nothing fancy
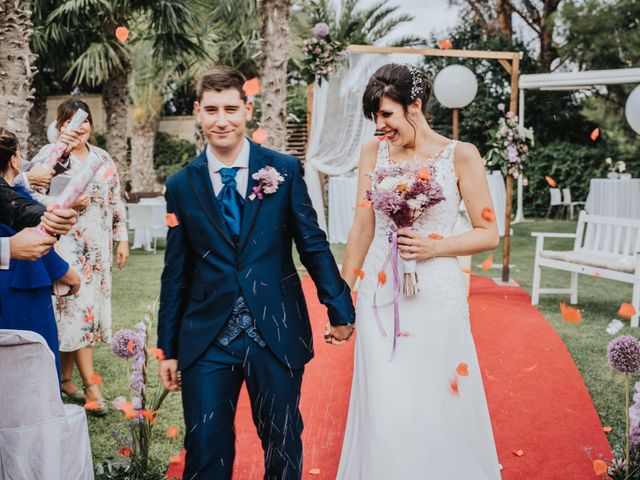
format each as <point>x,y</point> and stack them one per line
<point>168,371</point>
<point>413,246</point>
<point>338,335</point>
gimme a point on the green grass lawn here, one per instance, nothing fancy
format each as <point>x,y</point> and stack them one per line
<point>138,285</point>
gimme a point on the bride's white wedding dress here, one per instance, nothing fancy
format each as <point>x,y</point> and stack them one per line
<point>405,421</point>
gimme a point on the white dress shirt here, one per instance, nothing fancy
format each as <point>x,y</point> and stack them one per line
<point>5,253</point>
<point>241,162</point>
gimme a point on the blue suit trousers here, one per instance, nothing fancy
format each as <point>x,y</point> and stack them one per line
<point>212,385</point>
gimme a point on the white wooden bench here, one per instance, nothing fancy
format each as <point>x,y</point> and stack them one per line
<point>604,247</point>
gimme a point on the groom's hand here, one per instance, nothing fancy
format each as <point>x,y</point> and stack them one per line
<point>338,335</point>
<point>169,374</point>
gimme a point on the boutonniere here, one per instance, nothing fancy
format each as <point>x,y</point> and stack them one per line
<point>268,180</point>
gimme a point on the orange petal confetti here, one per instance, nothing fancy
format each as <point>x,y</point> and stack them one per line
<point>487,264</point>
<point>445,44</point>
<point>171,220</point>
<point>259,135</point>
<point>127,409</point>
<point>435,236</point>
<point>122,33</point>
<point>92,405</point>
<point>404,334</point>
<point>606,429</point>
<point>488,214</point>
<point>597,274</point>
<point>156,352</point>
<point>466,270</point>
<point>124,452</point>
<point>96,378</point>
<point>552,183</point>
<point>365,204</point>
<point>382,278</point>
<point>600,467</point>
<point>251,87</point>
<point>176,459</point>
<point>490,377</point>
<point>518,453</point>
<point>453,386</point>
<point>173,431</point>
<point>111,170</point>
<point>595,134</point>
<point>626,310</point>
<point>359,273</point>
<point>314,471</point>
<point>570,314</point>
<point>462,369</point>
<point>424,174</point>
<point>131,346</point>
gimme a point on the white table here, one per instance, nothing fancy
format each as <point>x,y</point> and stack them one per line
<point>498,197</point>
<point>614,198</point>
<point>342,205</point>
<point>150,224</point>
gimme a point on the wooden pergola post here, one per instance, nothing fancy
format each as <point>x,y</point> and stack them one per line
<point>510,61</point>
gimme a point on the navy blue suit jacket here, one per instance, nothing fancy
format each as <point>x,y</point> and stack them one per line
<point>205,270</point>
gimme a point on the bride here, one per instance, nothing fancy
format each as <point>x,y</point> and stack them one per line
<point>417,411</point>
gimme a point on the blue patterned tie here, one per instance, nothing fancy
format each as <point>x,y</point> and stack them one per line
<point>232,201</point>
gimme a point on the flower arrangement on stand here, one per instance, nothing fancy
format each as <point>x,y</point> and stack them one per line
<point>322,56</point>
<point>510,143</point>
<point>140,412</point>
<point>616,169</point>
<point>623,354</point>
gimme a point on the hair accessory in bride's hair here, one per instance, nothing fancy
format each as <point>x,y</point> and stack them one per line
<point>416,82</point>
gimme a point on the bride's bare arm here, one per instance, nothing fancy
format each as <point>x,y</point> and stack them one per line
<point>363,227</point>
<point>474,190</point>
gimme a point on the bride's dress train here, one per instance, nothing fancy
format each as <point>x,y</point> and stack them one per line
<point>406,420</point>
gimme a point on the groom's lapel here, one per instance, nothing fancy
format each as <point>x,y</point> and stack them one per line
<point>257,160</point>
<point>201,184</point>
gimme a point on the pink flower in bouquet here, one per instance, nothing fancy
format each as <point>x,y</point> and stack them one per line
<point>321,30</point>
<point>268,181</point>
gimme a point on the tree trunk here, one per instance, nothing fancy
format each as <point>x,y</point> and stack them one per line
<point>275,50</point>
<point>37,116</point>
<point>115,98</point>
<point>16,68</point>
<point>143,137</point>
<point>504,11</point>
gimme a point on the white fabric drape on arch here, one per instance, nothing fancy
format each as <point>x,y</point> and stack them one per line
<point>338,127</point>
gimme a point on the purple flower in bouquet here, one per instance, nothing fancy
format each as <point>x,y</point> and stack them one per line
<point>321,30</point>
<point>623,353</point>
<point>126,343</point>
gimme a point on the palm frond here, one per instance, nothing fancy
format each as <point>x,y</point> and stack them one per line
<point>96,64</point>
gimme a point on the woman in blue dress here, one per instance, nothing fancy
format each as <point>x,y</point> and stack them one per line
<point>25,288</point>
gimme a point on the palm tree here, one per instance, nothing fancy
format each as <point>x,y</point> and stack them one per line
<point>86,30</point>
<point>352,24</point>
<point>275,57</point>
<point>16,67</point>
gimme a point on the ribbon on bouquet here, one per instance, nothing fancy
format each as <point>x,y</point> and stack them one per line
<point>392,257</point>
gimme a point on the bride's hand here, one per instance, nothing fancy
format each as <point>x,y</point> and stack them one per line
<point>415,247</point>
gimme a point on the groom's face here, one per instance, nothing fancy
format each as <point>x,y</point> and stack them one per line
<point>223,116</point>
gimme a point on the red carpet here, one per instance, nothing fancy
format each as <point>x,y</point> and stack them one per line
<point>538,402</point>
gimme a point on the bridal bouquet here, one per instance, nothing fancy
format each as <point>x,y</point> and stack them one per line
<point>403,193</point>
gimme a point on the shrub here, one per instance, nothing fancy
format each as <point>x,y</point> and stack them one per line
<point>171,154</point>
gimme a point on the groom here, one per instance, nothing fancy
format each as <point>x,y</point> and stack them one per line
<point>232,308</point>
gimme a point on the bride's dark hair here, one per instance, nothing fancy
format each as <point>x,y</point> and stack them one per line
<point>401,83</point>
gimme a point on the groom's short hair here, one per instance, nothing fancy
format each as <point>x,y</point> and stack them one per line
<point>221,78</point>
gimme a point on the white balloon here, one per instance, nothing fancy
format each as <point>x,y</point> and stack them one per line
<point>455,86</point>
<point>52,132</point>
<point>632,109</point>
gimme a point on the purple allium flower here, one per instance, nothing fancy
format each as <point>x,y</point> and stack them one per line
<point>120,343</point>
<point>623,353</point>
<point>321,30</point>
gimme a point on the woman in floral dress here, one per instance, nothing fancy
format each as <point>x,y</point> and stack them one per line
<point>85,319</point>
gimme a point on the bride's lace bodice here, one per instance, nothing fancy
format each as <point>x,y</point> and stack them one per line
<point>439,219</point>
